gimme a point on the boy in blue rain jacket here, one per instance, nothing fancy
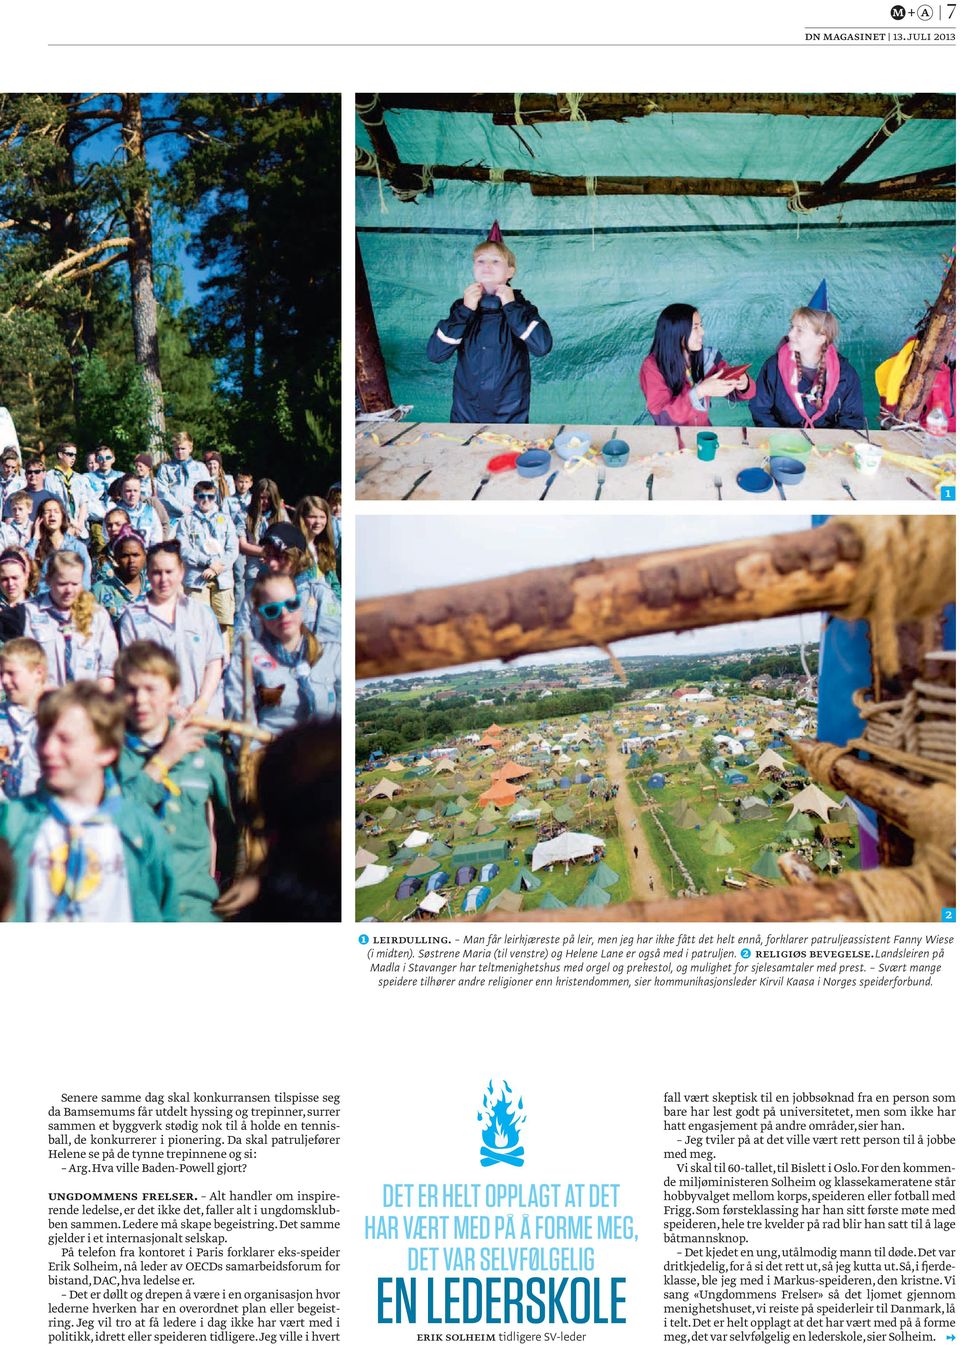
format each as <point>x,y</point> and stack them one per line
<point>493,330</point>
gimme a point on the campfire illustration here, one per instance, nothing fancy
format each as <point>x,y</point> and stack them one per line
<point>501,1118</point>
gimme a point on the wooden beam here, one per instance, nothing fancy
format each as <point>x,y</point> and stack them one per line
<point>599,601</point>
<point>825,899</point>
<point>898,116</point>
<point>546,107</point>
<point>927,812</point>
<point>938,333</point>
<point>373,386</point>
<point>934,184</point>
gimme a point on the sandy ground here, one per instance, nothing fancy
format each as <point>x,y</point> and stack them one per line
<point>644,864</point>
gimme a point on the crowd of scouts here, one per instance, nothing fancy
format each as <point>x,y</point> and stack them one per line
<point>806,383</point>
<point>152,622</point>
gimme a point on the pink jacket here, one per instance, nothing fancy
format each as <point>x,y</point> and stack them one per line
<point>686,408</point>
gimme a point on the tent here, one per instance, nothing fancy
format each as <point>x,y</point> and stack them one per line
<point>436,880</point>
<point>383,789</point>
<point>489,872</point>
<point>604,875</point>
<point>717,844</point>
<point>565,848</point>
<point>433,903</point>
<point>752,809</point>
<point>689,819</point>
<point>364,857</point>
<point>452,810</point>
<point>373,874</point>
<point>408,888</point>
<point>581,779</point>
<point>484,828</point>
<point>721,814</point>
<point>512,771</point>
<point>417,838</point>
<point>564,813</point>
<point>424,815</point>
<point>506,900</point>
<point>422,866</point>
<point>480,852</point>
<point>593,895</point>
<point>771,761</point>
<point>444,764</point>
<point>657,780</point>
<point>389,814</point>
<point>766,865</point>
<point>474,899</point>
<point>438,850</point>
<point>551,903</point>
<point>633,761</point>
<point>798,826</point>
<point>465,874</point>
<point>525,881</point>
<point>735,778</point>
<point>812,799</point>
<point>499,793</point>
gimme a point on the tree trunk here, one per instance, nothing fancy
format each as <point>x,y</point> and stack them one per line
<point>66,238</point>
<point>143,302</point>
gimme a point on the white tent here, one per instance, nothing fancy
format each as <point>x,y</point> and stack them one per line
<point>568,846</point>
<point>364,857</point>
<point>373,874</point>
<point>433,903</point>
<point>770,760</point>
<point>383,789</point>
<point>418,838</point>
<point>813,800</point>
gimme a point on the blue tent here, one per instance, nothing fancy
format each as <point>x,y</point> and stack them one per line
<point>465,874</point>
<point>581,779</point>
<point>438,879</point>
<point>564,782</point>
<point>408,887</point>
<point>657,780</point>
<point>735,778</point>
<point>489,871</point>
<point>474,899</point>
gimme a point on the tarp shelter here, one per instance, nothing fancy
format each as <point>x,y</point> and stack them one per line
<point>373,874</point>
<point>433,903</point>
<point>444,764</point>
<point>565,848</point>
<point>525,881</point>
<point>383,789</point>
<point>812,799</point>
<point>465,874</point>
<point>770,761</point>
<point>474,899</point>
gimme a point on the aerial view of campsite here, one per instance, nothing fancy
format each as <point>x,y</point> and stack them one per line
<point>796,767</point>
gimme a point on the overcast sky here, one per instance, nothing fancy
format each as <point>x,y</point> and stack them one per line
<point>400,554</point>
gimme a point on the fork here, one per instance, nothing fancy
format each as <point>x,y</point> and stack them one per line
<point>484,480</point>
<point>846,485</point>
<point>718,482</point>
<point>601,478</point>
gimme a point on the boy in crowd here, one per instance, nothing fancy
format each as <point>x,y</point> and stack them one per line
<point>11,476</point>
<point>209,549</point>
<point>35,474</point>
<point>493,329</point>
<point>82,852</point>
<point>17,529</point>
<point>23,677</point>
<point>70,488</point>
<point>100,480</point>
<point>175,480</point>
<point>166,766</point>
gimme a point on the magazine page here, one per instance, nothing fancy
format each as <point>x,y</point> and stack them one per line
<point>606,623</point>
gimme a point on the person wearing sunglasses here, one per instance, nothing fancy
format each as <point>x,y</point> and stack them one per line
<point>99,482</point>
<point>71,489</point>
<point>209,548</point>
<point>166,615</point>
<point>296,676</point>
<point>284,552</point>
<point>34,475</point>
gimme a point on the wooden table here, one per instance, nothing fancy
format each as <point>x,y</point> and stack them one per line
<point>392,456</point>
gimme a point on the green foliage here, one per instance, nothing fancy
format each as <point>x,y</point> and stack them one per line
<point>113,406</point>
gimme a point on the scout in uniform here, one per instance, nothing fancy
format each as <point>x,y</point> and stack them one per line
<point>175,480</point>
<point>181,624</point>
<point>127,581</point>
<point>74,630</point>
<point>209,548</point>
<point>82,852</point>
<point>295,676</point>
<point>99,482</point>
<point>70,488</point>
<point>141,513</point>
<point>23,676</point>
<point>166,766</point>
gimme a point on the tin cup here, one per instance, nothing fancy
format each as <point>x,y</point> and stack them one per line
<point>707,445</point>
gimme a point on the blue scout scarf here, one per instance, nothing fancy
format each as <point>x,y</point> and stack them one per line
<point>69,903</point>
<point>11,773</point>
<point>63,619</point>
<point>301,670</point>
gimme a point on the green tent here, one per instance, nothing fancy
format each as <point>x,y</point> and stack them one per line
<point>600,266</point>
<point>721,814</point>
<point>766,865</point>
<point>452,810</point>
<point>717,844</point>
<point>480,852</point>
<point>593,895</point>
<point>798,826</point>
<point>823,858</point>
<point>438,850</point>
<point>688,819</point>
<point>564,813</point>
<point>526,881</point>
<point>604,875</point>
<point>551,903</point>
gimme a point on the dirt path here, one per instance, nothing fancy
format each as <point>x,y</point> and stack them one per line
<point>644,864</point>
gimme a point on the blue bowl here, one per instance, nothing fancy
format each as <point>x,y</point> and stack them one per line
<point>616,453</point>
<point>535,462</point>
<point>788,471</point>
<point>571,444</point>
<point>754,480</point>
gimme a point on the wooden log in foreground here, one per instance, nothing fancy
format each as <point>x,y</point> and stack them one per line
<point>599,601</point>
<point>616,106</point>
<point>828,899</point>
<point>937,336</point>
<point>927,812</point>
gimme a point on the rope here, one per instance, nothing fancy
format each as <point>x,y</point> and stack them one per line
<point>590,185</point>
<point>573,103</point>
<point>365,161</point>
<point>906,572</point>
<point>498,175</point>
<point>901,895</point>
<point>899,116</point>
<point>517,114</point>
<point>426,184</point>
